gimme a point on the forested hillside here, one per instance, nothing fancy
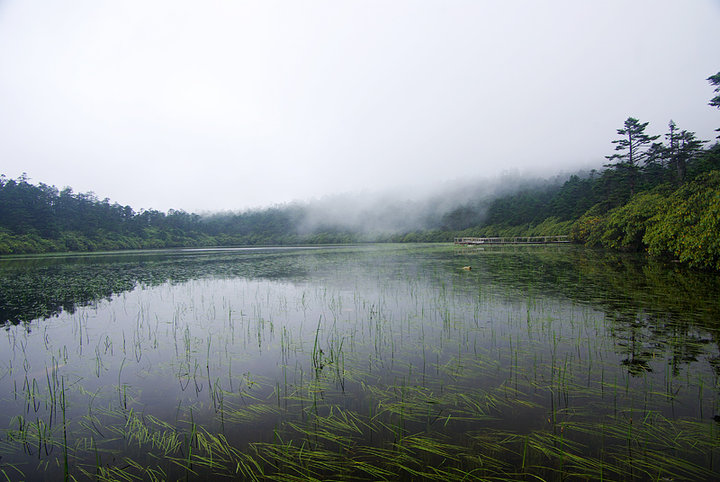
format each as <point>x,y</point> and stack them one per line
<point>41,218</point>
<point>659,193</point>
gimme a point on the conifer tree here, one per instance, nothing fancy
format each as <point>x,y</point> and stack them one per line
<point>634,142</point>
<point>715,101</point>
<point>682,148</point>
<point>632,147</point>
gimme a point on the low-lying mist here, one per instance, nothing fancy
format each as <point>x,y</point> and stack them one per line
<point>450,205</point>
<point>42,218</point>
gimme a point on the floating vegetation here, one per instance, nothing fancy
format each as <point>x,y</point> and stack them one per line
<point>367,363</point>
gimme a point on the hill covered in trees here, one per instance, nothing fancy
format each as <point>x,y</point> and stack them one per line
<point>656,193</point>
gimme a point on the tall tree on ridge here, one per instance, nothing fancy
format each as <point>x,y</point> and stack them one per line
<point>682,147</point>
<point>633,146</point>
<point>688,149</point>
<point>715,101</point>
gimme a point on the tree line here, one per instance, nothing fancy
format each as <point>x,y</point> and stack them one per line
<point>659,193</point>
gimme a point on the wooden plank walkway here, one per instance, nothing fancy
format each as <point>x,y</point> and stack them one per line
<point>514,240</point>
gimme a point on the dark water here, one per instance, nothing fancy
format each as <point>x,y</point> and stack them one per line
<point>377,362</point>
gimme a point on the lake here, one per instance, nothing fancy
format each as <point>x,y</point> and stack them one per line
<point>377,362</point>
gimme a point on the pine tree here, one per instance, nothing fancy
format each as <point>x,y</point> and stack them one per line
<point>634,141</point>
<point>688,149</point>
<point>633,147</point>
<point>715,101</point>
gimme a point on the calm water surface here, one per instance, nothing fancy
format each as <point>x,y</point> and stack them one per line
<point>374,362</point>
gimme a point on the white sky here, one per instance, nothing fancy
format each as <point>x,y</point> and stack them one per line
<point>212,105</point>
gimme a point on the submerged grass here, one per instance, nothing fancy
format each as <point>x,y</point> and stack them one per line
<point>434,374</point>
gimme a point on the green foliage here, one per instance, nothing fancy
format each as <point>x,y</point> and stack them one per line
<point>588,230</point>
<point>683,224</point>
<point>688,228</point>
<point>523,207</point>
<point>26,243</point>
<point>518,213</point>
<point>462,217</point>
<point>550,227</point>
<point>625,226</point>
<point>574,198</point>
<point>547,227</point>
<point>621,228</point>
<point>707,161</point>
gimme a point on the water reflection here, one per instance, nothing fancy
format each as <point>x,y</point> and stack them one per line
<point>33,288</point>
<point>649,306</point>
<point>542,357</point>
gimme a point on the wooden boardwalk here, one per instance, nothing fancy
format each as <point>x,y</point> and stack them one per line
<point>514,240</point>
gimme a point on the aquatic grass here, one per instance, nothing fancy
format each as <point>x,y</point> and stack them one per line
<point>10,472</point>
<point>405,369</point>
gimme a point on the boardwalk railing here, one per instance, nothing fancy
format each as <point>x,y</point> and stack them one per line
<point>514,240</point>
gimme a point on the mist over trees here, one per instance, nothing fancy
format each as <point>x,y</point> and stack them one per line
<point>42,218</point>
<point>663,197</point>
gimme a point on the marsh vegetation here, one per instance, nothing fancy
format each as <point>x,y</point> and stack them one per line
<point>374,362</point>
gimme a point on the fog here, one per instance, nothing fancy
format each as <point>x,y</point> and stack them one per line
<point>404,210</point>
<point>351,106</point>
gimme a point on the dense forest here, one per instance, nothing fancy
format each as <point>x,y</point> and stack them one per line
<point>658,193</point>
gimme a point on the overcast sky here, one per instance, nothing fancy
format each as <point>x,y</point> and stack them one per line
<point>213,105</point>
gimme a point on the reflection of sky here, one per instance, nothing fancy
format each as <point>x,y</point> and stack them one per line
<point>247,325</point>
